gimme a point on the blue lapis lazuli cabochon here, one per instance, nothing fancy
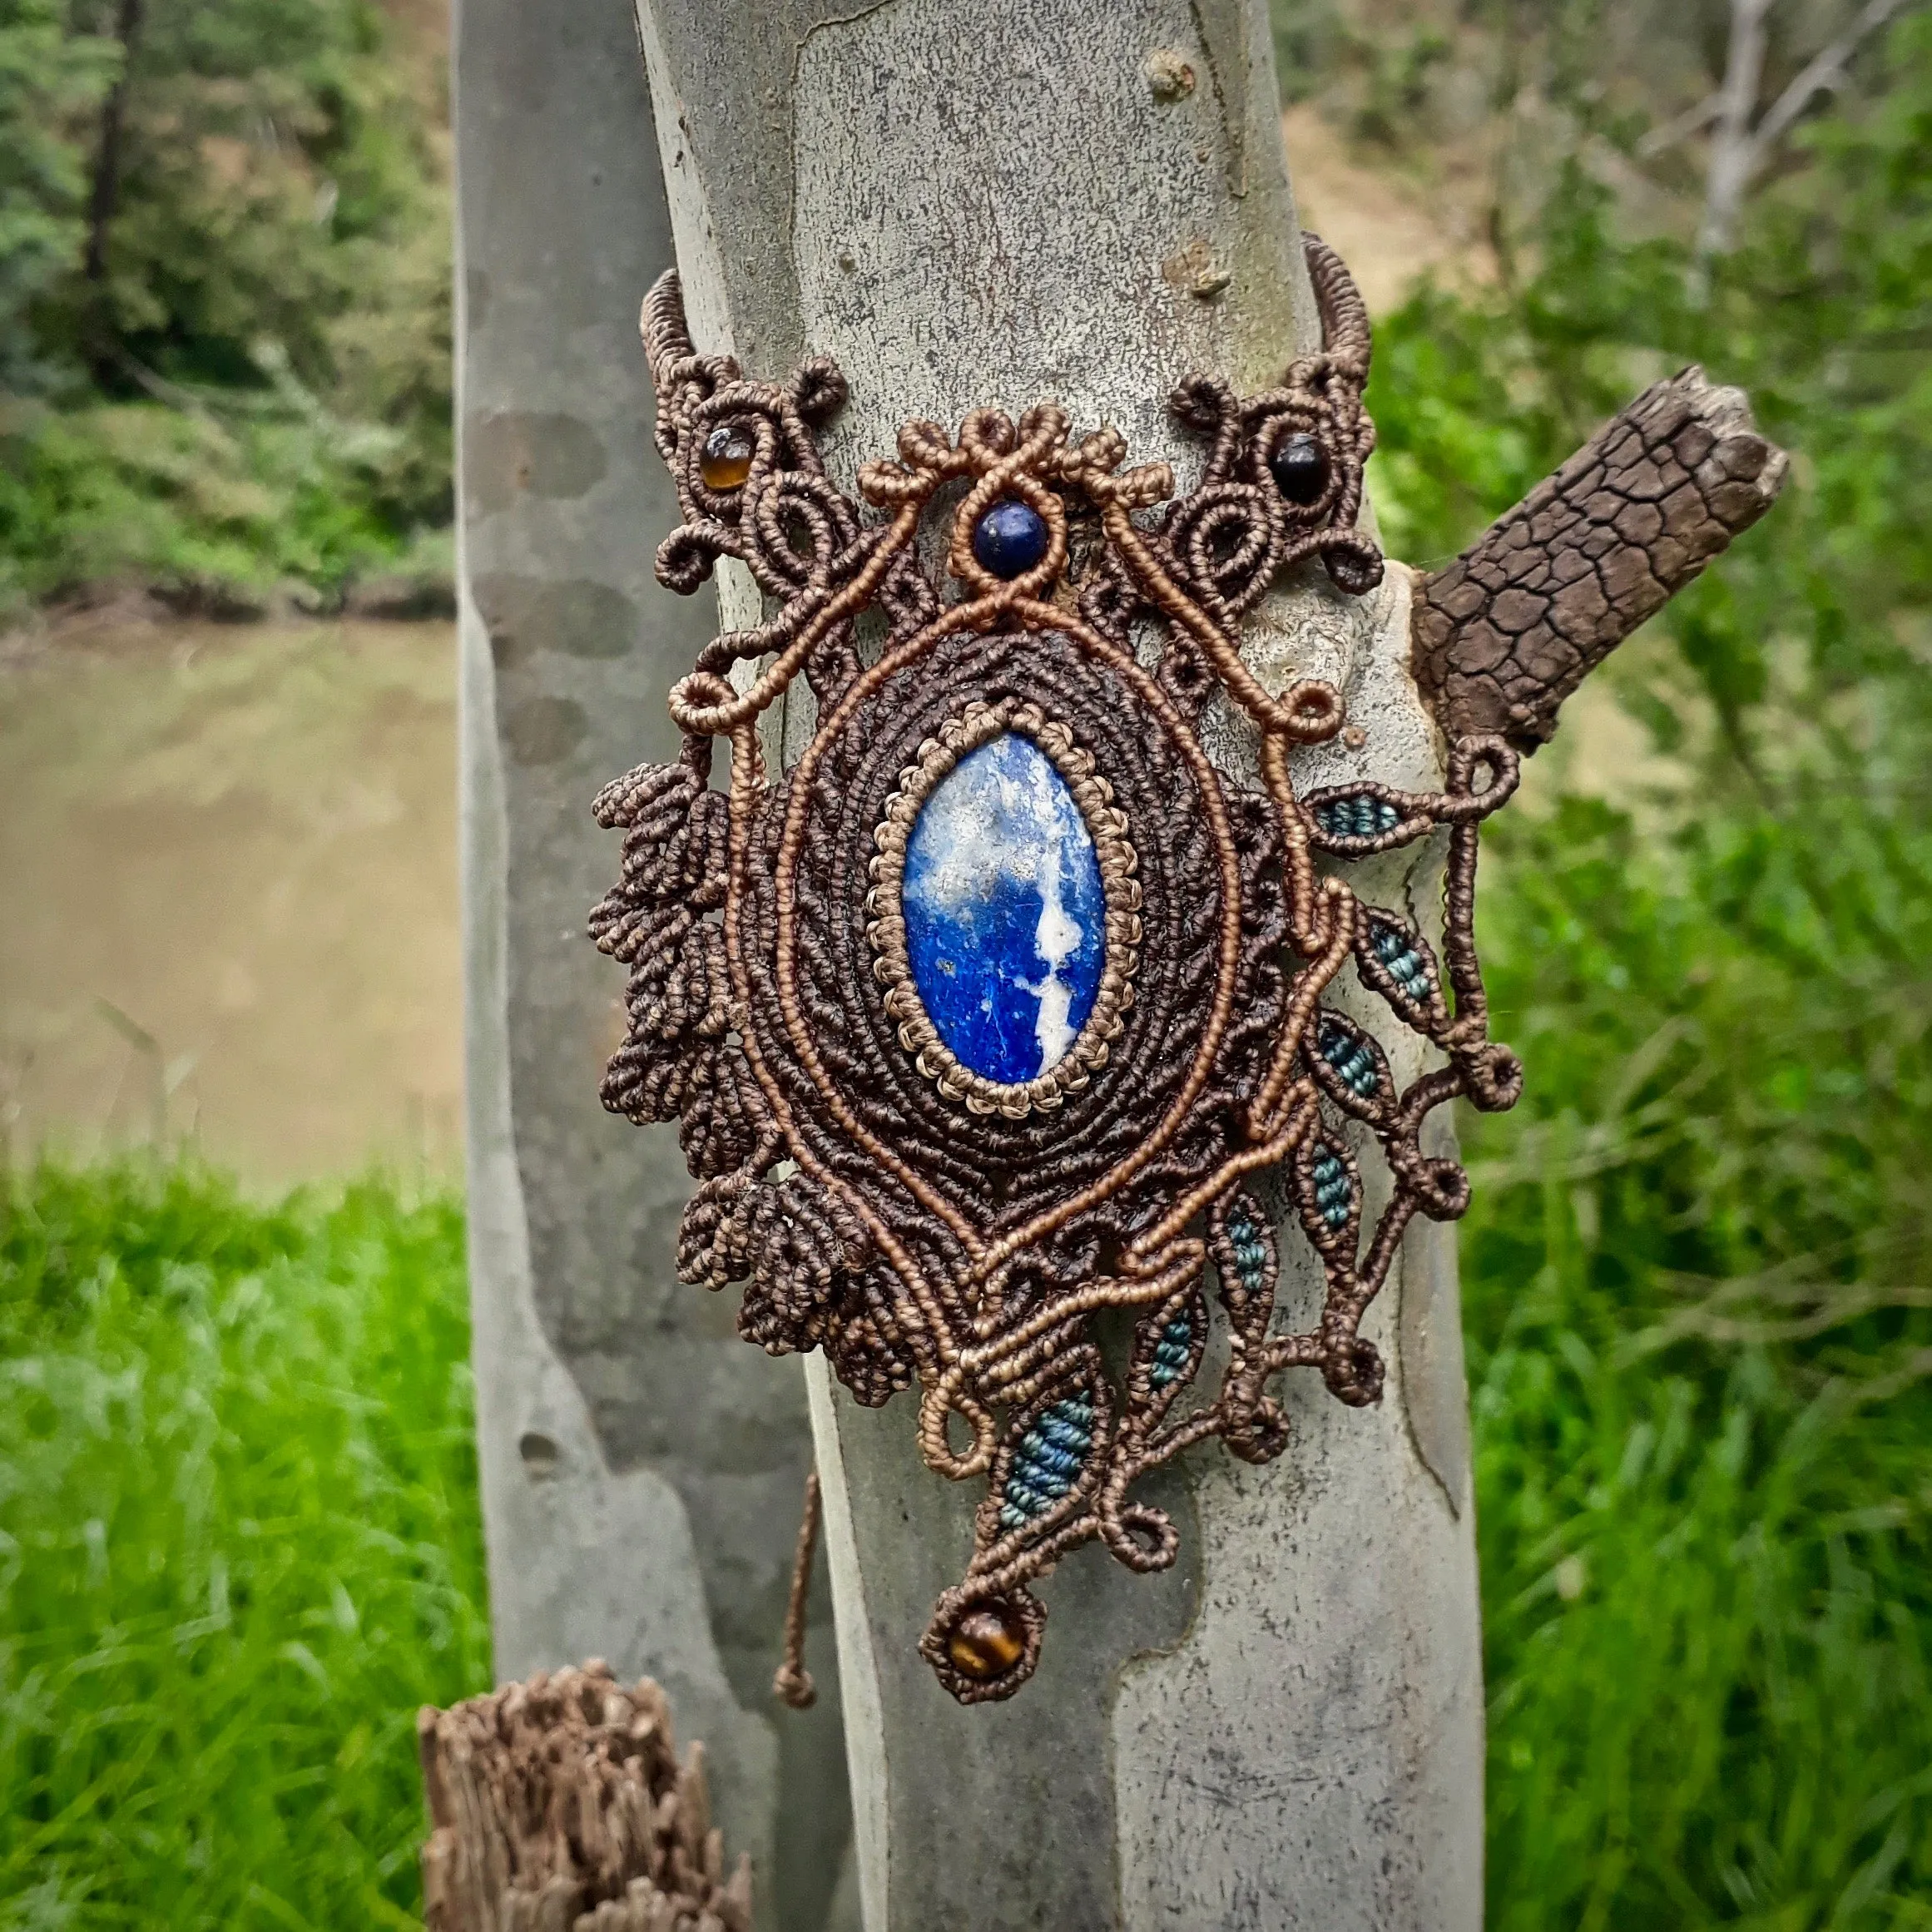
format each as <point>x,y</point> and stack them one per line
<point>1005,914</point>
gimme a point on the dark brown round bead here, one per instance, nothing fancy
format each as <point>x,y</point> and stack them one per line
<point>988,1640</point>
<point>1356,569</point>
<point>725,460</point>
<point>1300,469</point>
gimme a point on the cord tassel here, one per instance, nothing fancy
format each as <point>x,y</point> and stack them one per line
<point>792,1681</point>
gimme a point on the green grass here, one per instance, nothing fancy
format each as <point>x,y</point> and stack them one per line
<point>1702,1375</point>
<point>239,1546</point>
<point>1698,1269</point>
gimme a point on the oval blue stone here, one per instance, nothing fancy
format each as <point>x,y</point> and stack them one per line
<point>1010,539</point>
<point>1005,914</point>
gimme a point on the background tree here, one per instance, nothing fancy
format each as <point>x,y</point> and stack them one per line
<point>642,1470</point>
<point>227,259</point>
<point>49,83</point>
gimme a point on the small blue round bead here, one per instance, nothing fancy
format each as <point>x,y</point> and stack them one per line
<point>1010,539</point>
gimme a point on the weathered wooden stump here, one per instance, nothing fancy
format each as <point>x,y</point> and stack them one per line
<point>559,1806</point>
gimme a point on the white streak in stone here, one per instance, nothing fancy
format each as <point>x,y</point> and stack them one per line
<point>1057,938</point>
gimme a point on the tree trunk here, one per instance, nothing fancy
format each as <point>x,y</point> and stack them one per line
<point>641,1469</point>
<point>104,197</point>
<point>1085,202</point>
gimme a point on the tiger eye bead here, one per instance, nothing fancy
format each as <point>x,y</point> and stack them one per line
<point>725,460</point>
<point>1300,469</point>
<point>987,1642</point>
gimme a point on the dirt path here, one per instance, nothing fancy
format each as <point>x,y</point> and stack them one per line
<point>228,867</point>
<point>1390,232</point>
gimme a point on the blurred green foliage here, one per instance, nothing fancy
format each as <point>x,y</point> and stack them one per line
<point>239,1547</point>
<point>47,82</point>
<point>1698,1296</point>
<point>1698,1312</point>
<point>224,268</point>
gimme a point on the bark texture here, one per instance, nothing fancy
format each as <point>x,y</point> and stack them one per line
<point>1512,626</point>
<point>559,1806</point>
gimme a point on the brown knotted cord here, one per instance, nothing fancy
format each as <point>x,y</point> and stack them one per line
<point>925,1225</point>
<point>793,1681</point>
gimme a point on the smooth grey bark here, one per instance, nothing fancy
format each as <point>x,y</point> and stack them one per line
<point>998,203</point>
<point>641,1469</point>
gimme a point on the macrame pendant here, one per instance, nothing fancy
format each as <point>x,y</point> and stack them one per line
<point>1002,1006</point>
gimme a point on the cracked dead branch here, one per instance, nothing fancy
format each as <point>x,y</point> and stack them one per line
<point>1505,633</point>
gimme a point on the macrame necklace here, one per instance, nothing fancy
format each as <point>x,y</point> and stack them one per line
<point>998,1007</point>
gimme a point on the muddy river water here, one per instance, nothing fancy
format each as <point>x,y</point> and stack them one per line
<point>228,895</point>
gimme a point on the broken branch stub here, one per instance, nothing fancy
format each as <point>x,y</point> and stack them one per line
<point>1505,633</point>
<point>558,1806</point>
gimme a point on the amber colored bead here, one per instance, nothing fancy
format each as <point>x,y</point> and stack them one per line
<point>725,460</point>
<point>988,1642</point>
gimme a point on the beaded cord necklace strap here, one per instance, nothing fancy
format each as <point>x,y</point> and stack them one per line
<point>1001,1006</point>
